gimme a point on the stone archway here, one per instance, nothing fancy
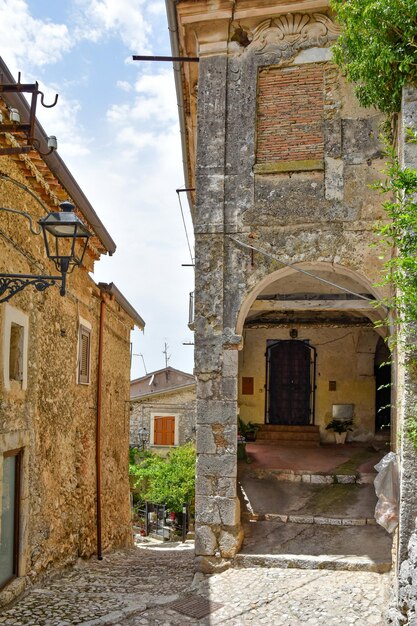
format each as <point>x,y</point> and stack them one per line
<point>330,311</point>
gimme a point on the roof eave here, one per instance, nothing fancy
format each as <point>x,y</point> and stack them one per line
<point>173,36</point>
<point>112,290</point>
<point>57,165</point>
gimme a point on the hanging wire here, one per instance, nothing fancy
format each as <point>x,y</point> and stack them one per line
<point>185,226</point>
<point>9,179</point>
<point>298,269</point>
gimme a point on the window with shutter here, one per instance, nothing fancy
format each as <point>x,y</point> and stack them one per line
<point>164,430</point>
<point>84,355</point>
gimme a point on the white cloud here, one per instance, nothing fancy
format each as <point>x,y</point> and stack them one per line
<point>122,18</point>
<point>155,102</point>
<point>129,171</point>
<point>27,42</point>
<point>156,8</point>
<point>124,85</point>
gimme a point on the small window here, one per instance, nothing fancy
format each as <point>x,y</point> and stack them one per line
<point>164,430</point>
<point>17,333</point>
<point>84,350</point>
<point>15,348</point>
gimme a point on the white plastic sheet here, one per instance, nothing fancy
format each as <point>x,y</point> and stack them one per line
<point>387,490</point>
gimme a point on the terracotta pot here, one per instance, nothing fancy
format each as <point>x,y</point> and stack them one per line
<point>340,437</point>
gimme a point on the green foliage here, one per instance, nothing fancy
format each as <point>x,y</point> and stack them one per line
<point>377,48</point>
<point>400,234</point>
<point>169,480</point>
<point>245,427</point>
<point>412,428</point>
<point>340,426</point>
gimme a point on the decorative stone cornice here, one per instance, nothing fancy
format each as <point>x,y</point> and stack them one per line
<point>292,32</point>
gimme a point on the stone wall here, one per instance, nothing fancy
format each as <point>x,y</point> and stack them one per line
<point>315,213</point>
<point>353,375</point>
<point>407,392</point>
<point>52,417</point>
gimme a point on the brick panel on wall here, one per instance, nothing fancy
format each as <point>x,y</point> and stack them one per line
<point>290,113</point>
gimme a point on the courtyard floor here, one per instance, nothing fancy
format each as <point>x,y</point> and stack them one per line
<point>155,586</point>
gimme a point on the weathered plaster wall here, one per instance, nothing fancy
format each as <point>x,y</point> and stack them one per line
<point>54,419</point>
<point>353,374</point>
<point>180,403</point>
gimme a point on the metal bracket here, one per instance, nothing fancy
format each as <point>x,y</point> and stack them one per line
<point>10,284</point>
<point>28,128</point>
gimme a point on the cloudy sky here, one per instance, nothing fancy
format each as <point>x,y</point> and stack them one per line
<point>117,129</point>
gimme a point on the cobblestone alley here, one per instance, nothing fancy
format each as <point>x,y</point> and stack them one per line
<point>156,586</point>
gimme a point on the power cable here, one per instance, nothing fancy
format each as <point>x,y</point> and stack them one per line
<point>298,269</point>
<point>185,226</point>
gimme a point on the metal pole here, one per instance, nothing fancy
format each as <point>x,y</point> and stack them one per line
<point>184,522</point>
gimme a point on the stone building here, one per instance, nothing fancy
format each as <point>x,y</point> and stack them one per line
<point>163,402</point>
<point>279,158</point>
<point>64,378</point>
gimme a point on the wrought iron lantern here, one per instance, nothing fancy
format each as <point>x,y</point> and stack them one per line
<point>143,436</point>
<point>66,239</point>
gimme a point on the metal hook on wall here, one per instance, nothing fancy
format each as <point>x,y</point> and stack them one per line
<point>47,106</point>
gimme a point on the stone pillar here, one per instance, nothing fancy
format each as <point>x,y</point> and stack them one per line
<point>218,532</point>
<point>407,391</point>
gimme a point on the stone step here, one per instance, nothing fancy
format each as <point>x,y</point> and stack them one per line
<point>288,428</point>
<point>320,520</point>
<point>308,435</point>
<point>306,561</point>
<point>288,436</point>
<point>290,443</point>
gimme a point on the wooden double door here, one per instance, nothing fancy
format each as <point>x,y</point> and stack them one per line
<point>290,380</point>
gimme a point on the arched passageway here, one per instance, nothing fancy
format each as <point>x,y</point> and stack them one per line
<point>310,358</point>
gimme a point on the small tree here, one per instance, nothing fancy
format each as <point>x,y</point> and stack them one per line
<point>169,481</point>
<point>377,48</point>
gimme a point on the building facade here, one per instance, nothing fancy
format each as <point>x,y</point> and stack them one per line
<point>163,402</point>
<point>64,381</point>
<point>279,160</point>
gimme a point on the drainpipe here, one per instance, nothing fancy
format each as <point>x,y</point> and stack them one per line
<point>98,428</point>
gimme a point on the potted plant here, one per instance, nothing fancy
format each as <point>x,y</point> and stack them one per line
<point>340,428</point>
<point>248,430</point>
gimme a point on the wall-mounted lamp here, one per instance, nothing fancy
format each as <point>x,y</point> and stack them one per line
<point>293,333</point>
<point>16,127</point>
<point>143,437</point>
<point>66,239</point>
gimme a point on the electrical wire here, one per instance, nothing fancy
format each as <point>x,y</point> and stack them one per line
<point>298,269</point>
<point>9,179</point>
<point>185,226</point>
<point>324,343</point>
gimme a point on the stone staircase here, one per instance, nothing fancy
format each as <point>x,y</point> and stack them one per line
<point>289,435</point>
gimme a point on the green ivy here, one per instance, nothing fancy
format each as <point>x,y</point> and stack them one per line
<point>377,48</point>
<point>400,234</point>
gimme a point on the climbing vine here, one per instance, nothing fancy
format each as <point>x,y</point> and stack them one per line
<point>400,271</point>
<point>377,48</point>
<point>400,235</point>
<point>377,51</point>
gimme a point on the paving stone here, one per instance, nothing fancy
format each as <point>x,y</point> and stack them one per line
<point>135,587</point>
